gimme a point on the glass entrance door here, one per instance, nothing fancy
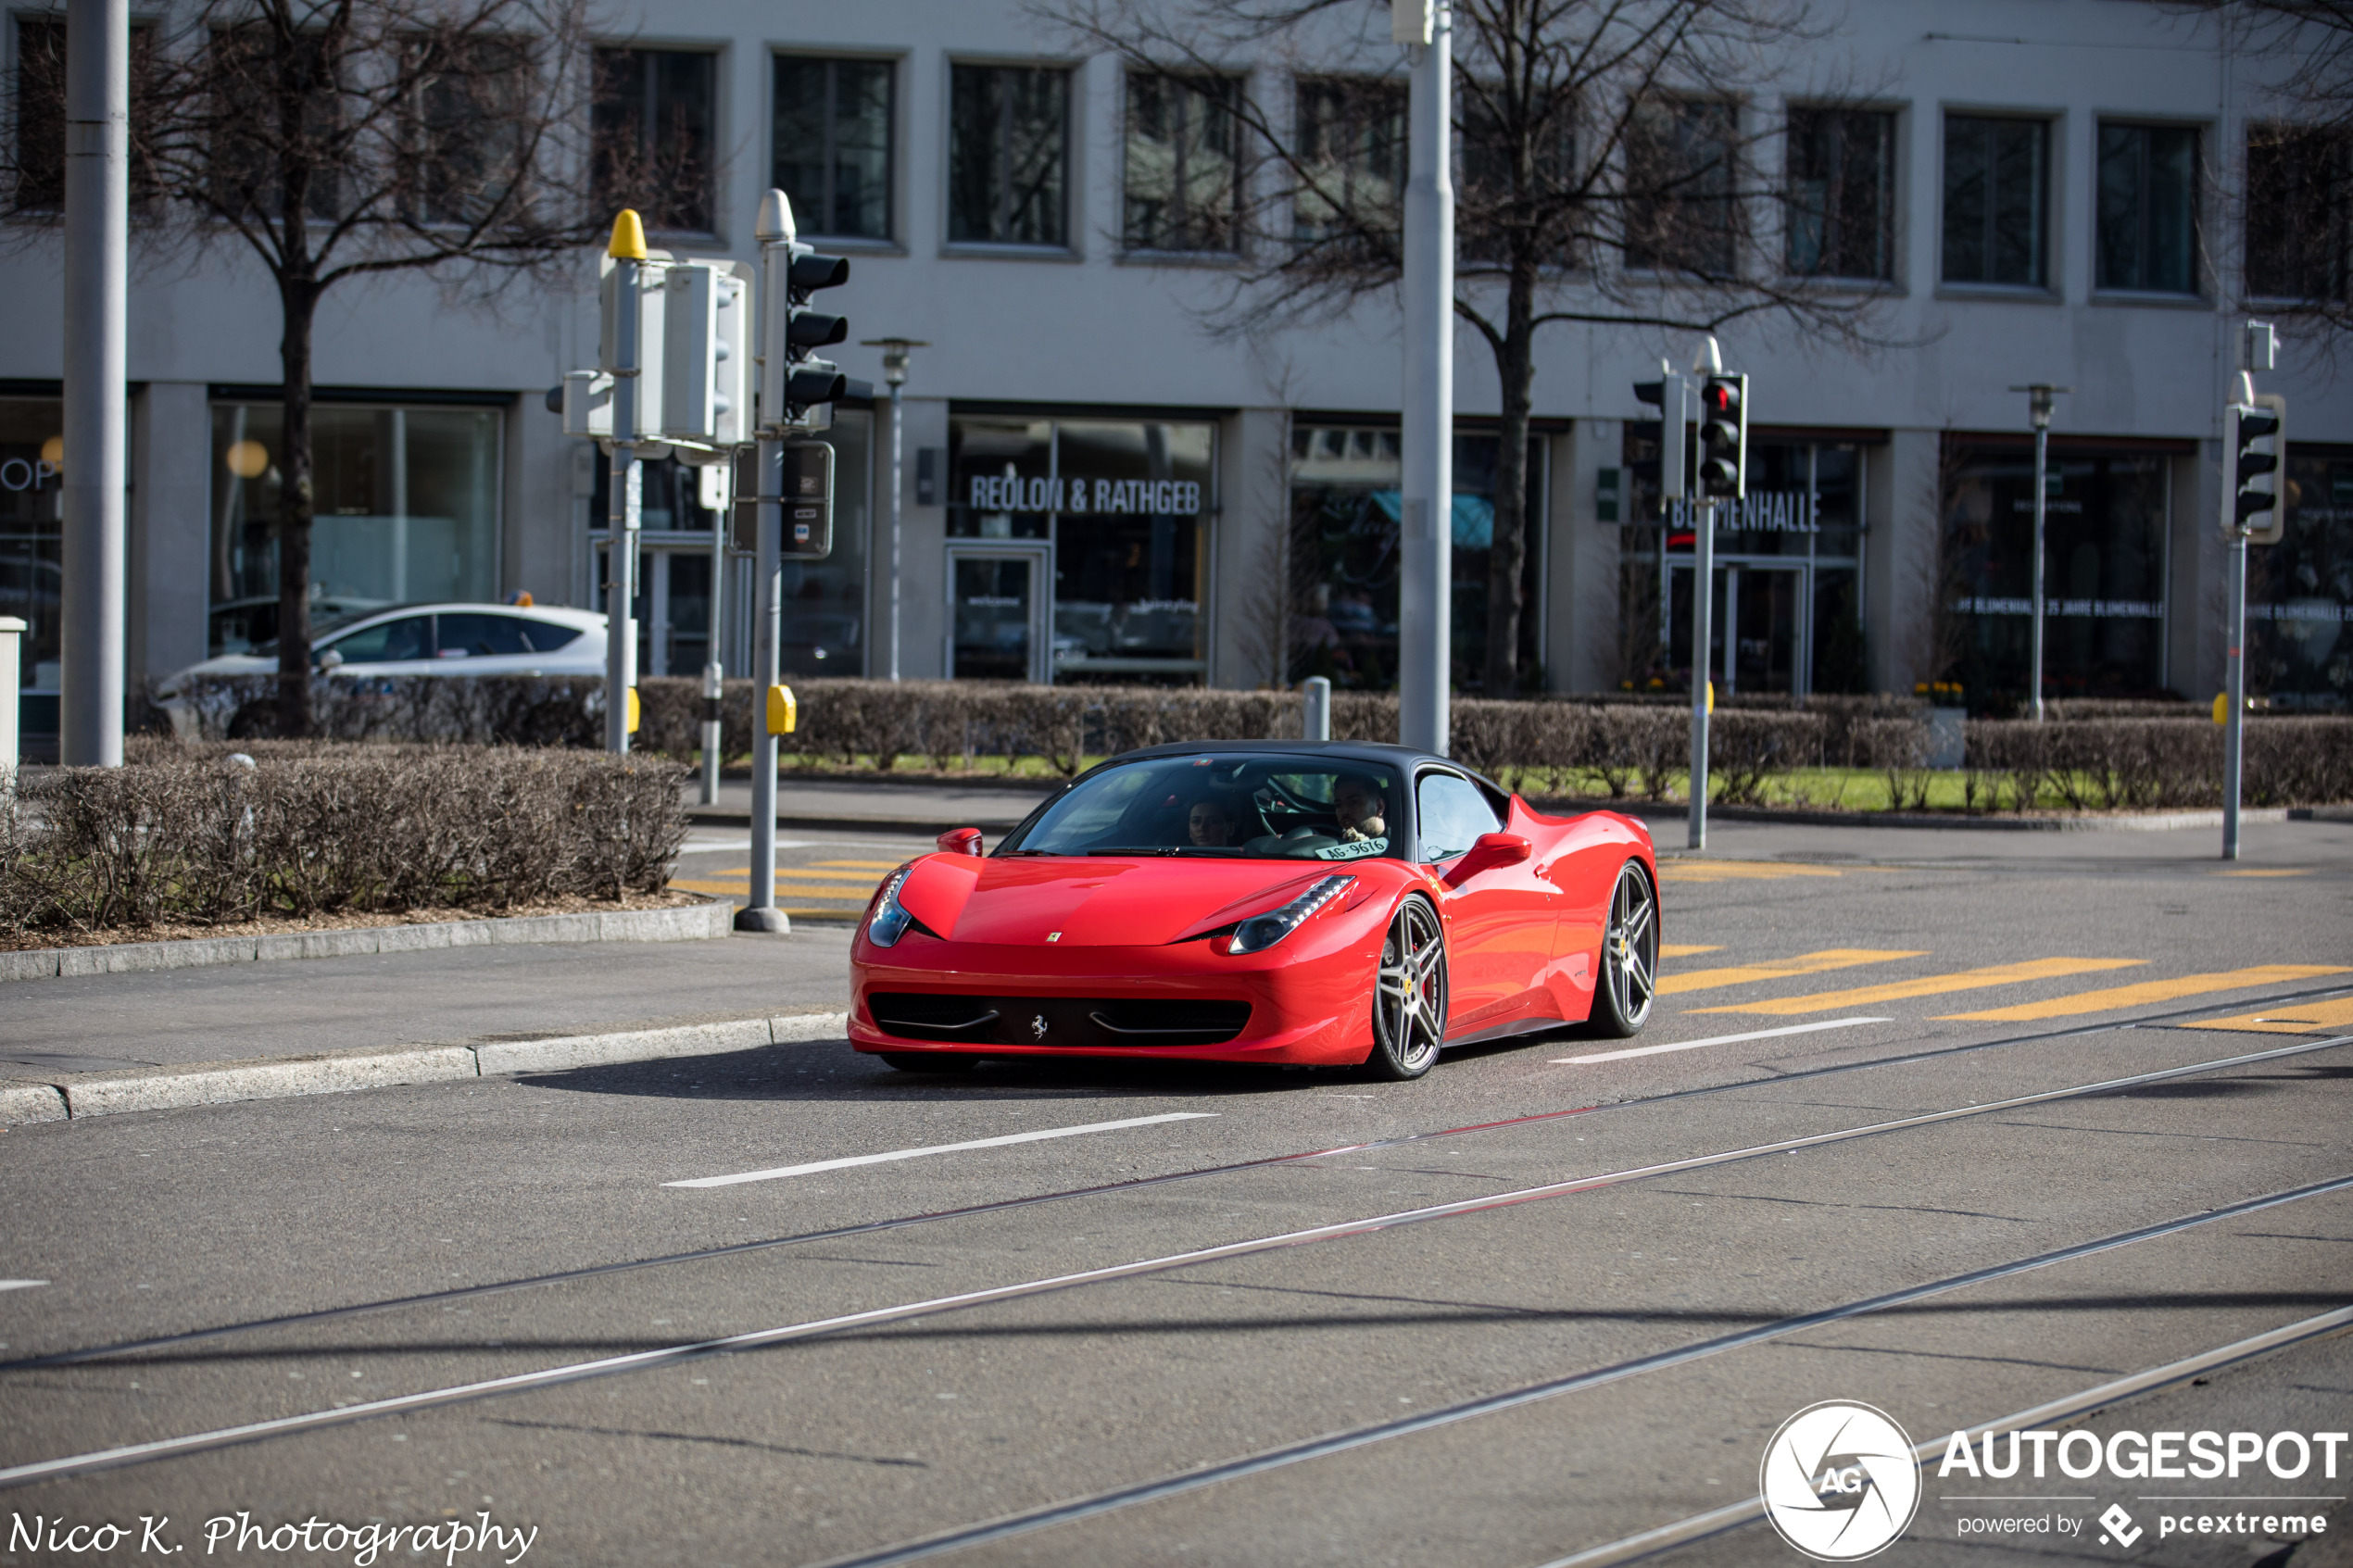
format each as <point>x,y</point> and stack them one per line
<point>996,613</point>
<point>1757,631</point>
<point>672,608</point>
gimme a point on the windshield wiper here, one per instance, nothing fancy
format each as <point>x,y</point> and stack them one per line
<point>1142,849</point>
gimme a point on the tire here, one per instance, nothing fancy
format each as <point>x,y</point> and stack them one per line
<point>1409,995</point>
<point>929,1061</point>
<point>1628,983</point>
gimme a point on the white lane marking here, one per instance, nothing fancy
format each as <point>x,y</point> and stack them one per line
<point>941,1148</point>
<point>20,1284</point>
<point>707,842</point>
<point>1721,1040</point>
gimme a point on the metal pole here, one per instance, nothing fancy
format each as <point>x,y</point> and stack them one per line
<point>1426,557</point>
<point>1316,718</point>
<point>760,913</point>
<point>714,669</point>
<point>2042,500</point>
<point>97,244</point>
<point>622,482</point>
<point>898,482</point>
<point>2234,691</point>
<point>1703,585</point>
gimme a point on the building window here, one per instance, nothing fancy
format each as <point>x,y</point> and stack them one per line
<point>832,147</point>
<point>2104,568</point>
<point>1681,216</point>
<point>1493,209</point>
<point>1183,188</point>
<point>1009,156</point>
<point>653,126</point>
<point>1996,200</point>
<point>406,505</point>
<point>1339,611</point>
<point>1351,160</point>
<point>1127,505</point>
<point>2300,592</point>
<point>467,136</point>
<point>1841,207</point>
<point>2298,212</point>
<point>2148,208</point>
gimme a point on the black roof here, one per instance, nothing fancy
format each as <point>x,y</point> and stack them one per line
<point>1403,758</point>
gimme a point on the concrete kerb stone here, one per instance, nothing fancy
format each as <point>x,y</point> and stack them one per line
<point>78,1095</point>
<point>688,922</point>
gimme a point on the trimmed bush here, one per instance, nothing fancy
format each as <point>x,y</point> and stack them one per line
<point>184,836</point>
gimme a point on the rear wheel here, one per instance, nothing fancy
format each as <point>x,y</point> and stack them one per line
<point>929,1061</point>
<point>1409,995</point>
<point>1629,956</point>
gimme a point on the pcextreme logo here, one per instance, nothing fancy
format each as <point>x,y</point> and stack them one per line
<point>1838,1481</point>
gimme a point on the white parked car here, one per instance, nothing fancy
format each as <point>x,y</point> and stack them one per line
<point>421,639</point>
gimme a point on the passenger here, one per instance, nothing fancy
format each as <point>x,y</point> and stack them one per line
<point>1362,808</point>
<point>1211,823</point>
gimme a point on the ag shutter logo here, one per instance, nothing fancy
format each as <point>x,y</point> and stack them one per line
<point>1838,1481</point>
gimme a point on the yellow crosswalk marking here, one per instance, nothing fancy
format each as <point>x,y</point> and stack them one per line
<point>2149,991</point>
<point>1931,986</point>
<point>742,885</point>
<point>1737,870</point>
<point>2300,871</point>
<point>869,865</point>
<point>1685,949</point>
<point>1784,969</point>
<point>2289,1018</point>
<point>805,871</point>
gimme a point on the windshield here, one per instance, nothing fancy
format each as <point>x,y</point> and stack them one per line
<point>1265,806</point>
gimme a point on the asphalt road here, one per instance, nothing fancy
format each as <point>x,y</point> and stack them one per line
<point>1531,1309</point>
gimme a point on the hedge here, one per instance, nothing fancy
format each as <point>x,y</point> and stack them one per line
<point>1630,750</point>
<point>191,836</point>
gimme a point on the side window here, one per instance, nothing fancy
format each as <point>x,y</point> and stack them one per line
<point>482,636</point>
<point>545,636</point>
<point>1452,815</point>
<point>409,637</point>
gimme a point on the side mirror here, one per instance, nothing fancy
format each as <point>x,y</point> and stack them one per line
<point>330,659</point>
<point>1489,851</point>
<point>960,841</point>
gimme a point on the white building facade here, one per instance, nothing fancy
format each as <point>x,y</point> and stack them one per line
<point>1098,488</point>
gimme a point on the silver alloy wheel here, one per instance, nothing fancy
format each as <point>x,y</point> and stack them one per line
<point>1630,947</point>
<point>1409,1001</point>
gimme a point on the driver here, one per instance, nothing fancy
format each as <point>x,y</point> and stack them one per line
<point>1210,824</point>
<point>1362,808</point>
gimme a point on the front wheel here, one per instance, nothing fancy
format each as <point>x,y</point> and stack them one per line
<point>1409,995</point>
<point>1629,956</point>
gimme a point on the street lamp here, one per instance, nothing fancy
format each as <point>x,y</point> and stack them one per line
<point>894,358</point>
<point>2038,408</point>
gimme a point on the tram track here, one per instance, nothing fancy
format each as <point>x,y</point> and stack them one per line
<point>128,1348</point>
<point>147,1453</point>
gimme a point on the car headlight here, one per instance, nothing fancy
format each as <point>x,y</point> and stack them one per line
<point>890,919</point>
<point>1262,932</point>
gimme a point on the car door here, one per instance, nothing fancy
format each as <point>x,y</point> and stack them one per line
<point>1499,920</point>
<point>487,643</point>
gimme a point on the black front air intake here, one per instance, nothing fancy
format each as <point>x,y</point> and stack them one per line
<point>1078,1022</point>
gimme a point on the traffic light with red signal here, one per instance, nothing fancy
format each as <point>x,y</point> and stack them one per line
<point>1723,436</point>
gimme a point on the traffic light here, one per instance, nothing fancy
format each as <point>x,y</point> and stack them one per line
<point>1669,432</point>
<point>2254,452</point>
<point>706,350</point>
<point>1723,436</point>
<point>793,380</point>
<point>646,357</point>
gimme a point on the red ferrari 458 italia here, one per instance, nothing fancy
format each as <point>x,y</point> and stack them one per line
<point>1314,903</point>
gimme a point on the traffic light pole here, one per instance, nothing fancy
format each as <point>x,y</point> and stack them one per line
<point>624,486</point>
<point>2042,502</point>
<point>760,912</point>
<point>714,669</point>
<point>1427,556</point>
<point>2234,691</point>
<point>97,159</point>
<point>1703,617</point>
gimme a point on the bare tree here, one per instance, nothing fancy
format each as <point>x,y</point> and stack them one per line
<point>336,140</point>
<point>1613,169</point>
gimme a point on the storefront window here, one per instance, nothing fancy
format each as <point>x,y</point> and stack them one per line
<point>1787,599</point>
<point>406,510</point>
<point>1125,504</point>
<point>2300,592</point>
<point>1346,505</point>
<point>32,509</point>
<point>2104,568</point>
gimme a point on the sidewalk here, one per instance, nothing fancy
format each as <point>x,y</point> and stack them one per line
<point>922,807</point>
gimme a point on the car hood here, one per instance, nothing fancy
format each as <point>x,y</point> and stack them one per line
<point>1096,902</point>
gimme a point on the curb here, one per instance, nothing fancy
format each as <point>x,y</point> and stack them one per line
<point>691,922</point>
<point>74,1096</point>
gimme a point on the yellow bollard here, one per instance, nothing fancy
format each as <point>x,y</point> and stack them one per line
<point>2221,708</point>
<point>633,710</point>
